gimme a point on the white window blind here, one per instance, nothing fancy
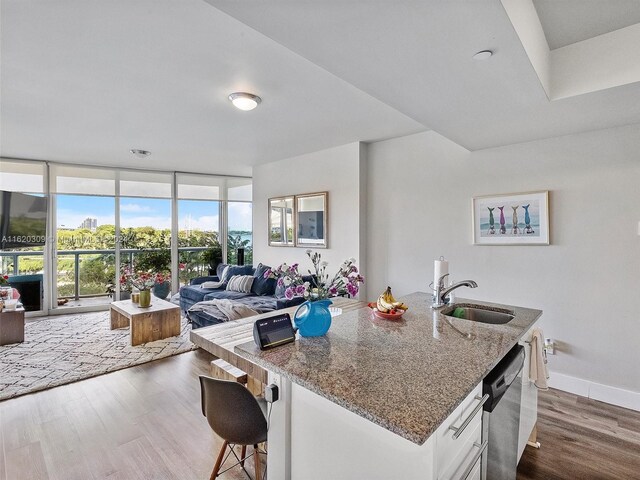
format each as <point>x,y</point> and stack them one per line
<point>239,189</point>
<point>26,177</point>
<point>81,180</point>
<point>145,184</point>
<point>200,187</point>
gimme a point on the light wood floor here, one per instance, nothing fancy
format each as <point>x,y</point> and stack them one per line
<point>141,423</point>
<point>582,439</point>
<point>145,423</point>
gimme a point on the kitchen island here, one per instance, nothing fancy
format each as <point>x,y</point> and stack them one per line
<point>369,399</point>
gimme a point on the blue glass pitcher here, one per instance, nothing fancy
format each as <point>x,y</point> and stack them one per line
<point>313,319</point>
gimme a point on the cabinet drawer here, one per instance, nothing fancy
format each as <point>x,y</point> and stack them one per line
<point>450,449</point>
<point>466,459</point>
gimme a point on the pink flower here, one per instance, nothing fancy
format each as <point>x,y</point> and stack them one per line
<point>289,293</point>
<point>300,289</point>
<point>333,290</point>
<point>280,282</point>
<point>268,273</point>
<point>352,289</point>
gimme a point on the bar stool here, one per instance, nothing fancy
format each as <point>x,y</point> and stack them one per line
<point>236,416</point>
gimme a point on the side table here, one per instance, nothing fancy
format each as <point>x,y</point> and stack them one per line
<point>11,326</point>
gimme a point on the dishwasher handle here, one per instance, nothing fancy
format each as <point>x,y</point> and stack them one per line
<point>457,431</point>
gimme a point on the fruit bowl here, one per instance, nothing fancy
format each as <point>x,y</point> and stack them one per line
<point>389,316</point>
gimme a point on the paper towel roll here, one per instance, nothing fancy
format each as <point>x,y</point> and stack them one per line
<point>440,267</point>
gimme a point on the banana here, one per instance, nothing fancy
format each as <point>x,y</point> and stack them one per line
<point>386,303</point>
<point>391,302</point>
<point>388,296</point>
<point>382,305</point>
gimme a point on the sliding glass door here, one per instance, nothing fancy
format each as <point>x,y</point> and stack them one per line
<point>23,247</point>
<point>86,266</point>
<point>101,220</point>
<point>200,250</point>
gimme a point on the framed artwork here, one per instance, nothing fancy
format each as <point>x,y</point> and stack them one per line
<point>281,216</point>
<point>311,220</point>
<point>511,219</point>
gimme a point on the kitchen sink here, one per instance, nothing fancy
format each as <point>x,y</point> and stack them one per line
<point>479,313</point>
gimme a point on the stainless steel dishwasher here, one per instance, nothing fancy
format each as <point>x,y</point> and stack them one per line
<point>501,417</point>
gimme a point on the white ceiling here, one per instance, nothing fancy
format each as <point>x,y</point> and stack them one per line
<point>86,80</point>
<point>416,56</point>
<point>569,21</point>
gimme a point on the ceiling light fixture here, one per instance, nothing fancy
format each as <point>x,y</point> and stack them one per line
<point>244,101</point>
<point>140,153</point>
<point>483,55</point>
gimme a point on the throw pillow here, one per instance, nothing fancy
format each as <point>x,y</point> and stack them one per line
<point>239,270</point>
<point>261,285</point>
<point>211,285</point>
<point>220,271</point>
<point>240,283</point>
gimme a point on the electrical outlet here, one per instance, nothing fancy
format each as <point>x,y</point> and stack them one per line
<point>275,379</point>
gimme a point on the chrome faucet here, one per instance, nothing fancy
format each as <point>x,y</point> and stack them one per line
<point>439,299</point>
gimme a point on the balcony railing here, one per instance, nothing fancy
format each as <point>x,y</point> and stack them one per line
<point>85,283</point>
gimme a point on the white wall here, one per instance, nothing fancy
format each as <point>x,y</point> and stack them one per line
<point>336,170</point>
<point>587,281</point>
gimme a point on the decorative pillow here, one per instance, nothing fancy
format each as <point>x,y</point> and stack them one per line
<point>240,283</point>
<point>220,271</point>
<point>239,270</point>
<point>261,285</point>
<point>225,274</point>
<point>210,285</point>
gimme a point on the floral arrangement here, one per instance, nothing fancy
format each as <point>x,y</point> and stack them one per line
<point>5,292</point>
<point>345,281</point>
<point>142,280</point>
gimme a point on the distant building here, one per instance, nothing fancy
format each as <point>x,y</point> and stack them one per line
<point>89,224</point>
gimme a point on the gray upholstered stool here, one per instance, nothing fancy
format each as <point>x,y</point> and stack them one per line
<point>237,417</point>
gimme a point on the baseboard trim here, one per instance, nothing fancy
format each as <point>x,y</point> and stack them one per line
<point>596,391</point>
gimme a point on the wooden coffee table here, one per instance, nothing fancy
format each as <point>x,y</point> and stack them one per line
<point>160,320</point>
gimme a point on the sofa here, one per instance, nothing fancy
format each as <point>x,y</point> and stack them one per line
<point>264,296</point>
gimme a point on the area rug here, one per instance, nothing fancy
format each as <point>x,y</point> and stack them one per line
<point>66,348</point>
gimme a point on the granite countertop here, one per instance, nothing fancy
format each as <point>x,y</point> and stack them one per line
<point>406,376</point>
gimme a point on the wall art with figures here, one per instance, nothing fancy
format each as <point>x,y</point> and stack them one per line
<point>511,219</point>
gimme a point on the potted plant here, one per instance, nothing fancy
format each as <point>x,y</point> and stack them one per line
<point>212,257</point>
<point>125,287</point>
<point>158,261</point>
<point>6,292</point>
<point>143,281</point>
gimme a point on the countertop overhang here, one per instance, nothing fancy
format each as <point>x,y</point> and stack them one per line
<point>406,376</point>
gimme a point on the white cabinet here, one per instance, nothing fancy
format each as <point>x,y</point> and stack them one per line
<point>459,440</point>
<point>330,442</point>
<point>529,397</point>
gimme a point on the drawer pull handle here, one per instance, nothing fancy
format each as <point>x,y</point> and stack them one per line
<point>458,430</point>
<point>474,460</point>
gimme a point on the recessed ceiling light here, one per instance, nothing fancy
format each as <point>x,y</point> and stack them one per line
<point>140,153</point>
<point>483,55</point>
<point>244,101</point>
